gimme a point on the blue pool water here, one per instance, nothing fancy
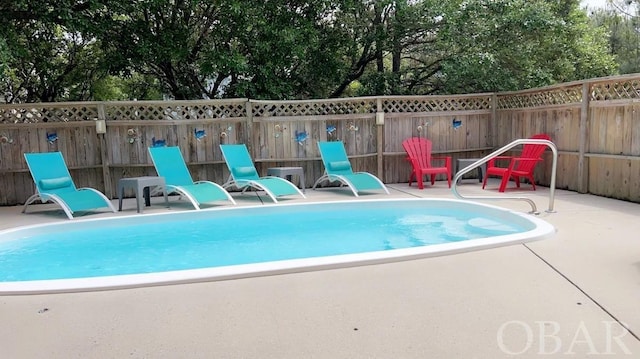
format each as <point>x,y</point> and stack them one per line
<point>240,236</point>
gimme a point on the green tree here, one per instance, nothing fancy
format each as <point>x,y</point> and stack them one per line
<point>47,63</point>
<point>471,46</point>
<point>289,50</point>
<point>132,87</point>
<point>516,44</point>
<point>173,41</point>
<point>56,50</point>
<point>210,49</point>
<point>49,52</point>
<point>621,22</point>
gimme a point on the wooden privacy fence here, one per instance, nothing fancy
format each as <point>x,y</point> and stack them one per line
<point>594,124</point>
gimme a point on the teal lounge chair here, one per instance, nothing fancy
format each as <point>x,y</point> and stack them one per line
<point>170,164</point>
<point>54,183</point>
<point>338,168</point>
<point>244,174</point>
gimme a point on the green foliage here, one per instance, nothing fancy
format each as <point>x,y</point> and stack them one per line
<point>48,64</point>
<point>621,24</point>
<point>134,87</point>
<point>5,57</point>
<point>60,50</point>
<point>169,40</point>
<point>478,46</point>
<point>51,55</point>
<point>289,52</point>
<point>518,44</point>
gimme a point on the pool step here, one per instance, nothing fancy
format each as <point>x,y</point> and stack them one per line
<point>490,226</point>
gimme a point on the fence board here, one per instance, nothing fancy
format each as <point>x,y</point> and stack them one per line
<point>9,154</point>
<point>627,127</point>
<point>634,181</point>
<point>635,131</point>
<point>613,143</point>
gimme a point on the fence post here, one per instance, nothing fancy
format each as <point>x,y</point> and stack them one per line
<point>493,126</point>
<point>380,133</point>
<point>251,142</point>
<point>104,155</point>
<point>583,161</point>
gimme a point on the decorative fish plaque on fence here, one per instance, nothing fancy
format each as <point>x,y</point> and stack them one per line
<point>158,142</point>
<point>200,134</point>
<point>301,137</point>
<point>52,137</point>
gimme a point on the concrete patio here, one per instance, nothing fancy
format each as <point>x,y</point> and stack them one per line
<point>561,297</point>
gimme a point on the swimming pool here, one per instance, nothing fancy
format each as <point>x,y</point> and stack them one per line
<point>235,242</point>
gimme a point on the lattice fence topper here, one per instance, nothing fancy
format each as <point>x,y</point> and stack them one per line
<point>30,113</point>
<point>172,111</point>
<point>561,96</point>
<point>430,104</point>
<point>601,90</point>
<point>314,108</point>
<point>615,90</point>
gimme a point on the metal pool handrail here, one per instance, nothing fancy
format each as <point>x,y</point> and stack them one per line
<point>498,152</point>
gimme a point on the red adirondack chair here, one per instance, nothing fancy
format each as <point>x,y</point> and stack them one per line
<point>419,154</point>
<point>521,166</point>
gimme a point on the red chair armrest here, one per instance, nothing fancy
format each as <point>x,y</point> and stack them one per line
<point>492,162</point>
<point>441,158</point>
<point>526,159</point>
<point>446,159</point>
